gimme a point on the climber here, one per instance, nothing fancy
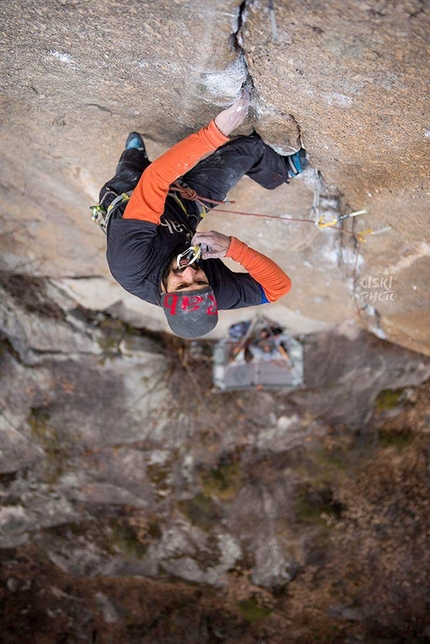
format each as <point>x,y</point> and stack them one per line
<point>149,226</point>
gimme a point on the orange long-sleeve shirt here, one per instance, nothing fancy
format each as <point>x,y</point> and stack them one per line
<point>148,198</point>
<point>147,204</point>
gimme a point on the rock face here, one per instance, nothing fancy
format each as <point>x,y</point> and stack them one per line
<point>350,82</point>
<point>354,77</point>
<point>101,422</point>
<point>117,461</point>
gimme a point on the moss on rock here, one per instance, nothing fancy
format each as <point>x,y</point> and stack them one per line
<point>390,399</point>
<point>47,436</point>
<point>125,539</point>
<point>253,610</point>
<point>223,481</point>
<point>201,511</point>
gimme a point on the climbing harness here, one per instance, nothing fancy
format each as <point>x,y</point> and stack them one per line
<point>101,216</point>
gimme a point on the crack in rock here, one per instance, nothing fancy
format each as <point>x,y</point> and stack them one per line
<point>237,42</point>
<point>259,110</point>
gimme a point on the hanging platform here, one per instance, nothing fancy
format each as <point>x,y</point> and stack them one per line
<point>257,355</point>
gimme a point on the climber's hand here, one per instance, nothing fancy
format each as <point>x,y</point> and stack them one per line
<point>229,119</point>
<point>217,244</point>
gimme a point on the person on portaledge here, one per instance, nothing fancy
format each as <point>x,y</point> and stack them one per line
<point>149,226</point>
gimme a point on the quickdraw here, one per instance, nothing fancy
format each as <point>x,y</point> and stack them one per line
<point>361,237</point>
<point>325,224</point>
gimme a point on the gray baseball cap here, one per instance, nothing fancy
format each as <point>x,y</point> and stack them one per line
<point>191,314</point>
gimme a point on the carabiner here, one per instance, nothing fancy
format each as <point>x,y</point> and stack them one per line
<point>190,256</point>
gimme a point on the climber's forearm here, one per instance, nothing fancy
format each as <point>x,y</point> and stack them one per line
<point>265,271</point>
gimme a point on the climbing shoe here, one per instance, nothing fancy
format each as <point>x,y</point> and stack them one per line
<point>134,140</point>
<point>296,163</point>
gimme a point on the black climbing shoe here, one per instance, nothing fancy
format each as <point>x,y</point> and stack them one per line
<point>134,140</point>
<point>296,163</point>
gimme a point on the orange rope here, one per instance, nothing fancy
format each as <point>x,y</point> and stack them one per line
<point>188,193</point>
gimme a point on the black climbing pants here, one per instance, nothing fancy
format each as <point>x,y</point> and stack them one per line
<point>130,167</point>
<point>212,177</point>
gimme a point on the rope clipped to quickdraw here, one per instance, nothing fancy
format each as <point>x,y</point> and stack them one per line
<point>209,204</point>
<point>321,223</point>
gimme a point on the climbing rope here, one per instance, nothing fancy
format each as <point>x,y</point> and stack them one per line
<point>188,193</point>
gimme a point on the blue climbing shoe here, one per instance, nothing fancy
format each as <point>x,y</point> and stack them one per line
<point>134,140</point>
<point>296,163</point>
